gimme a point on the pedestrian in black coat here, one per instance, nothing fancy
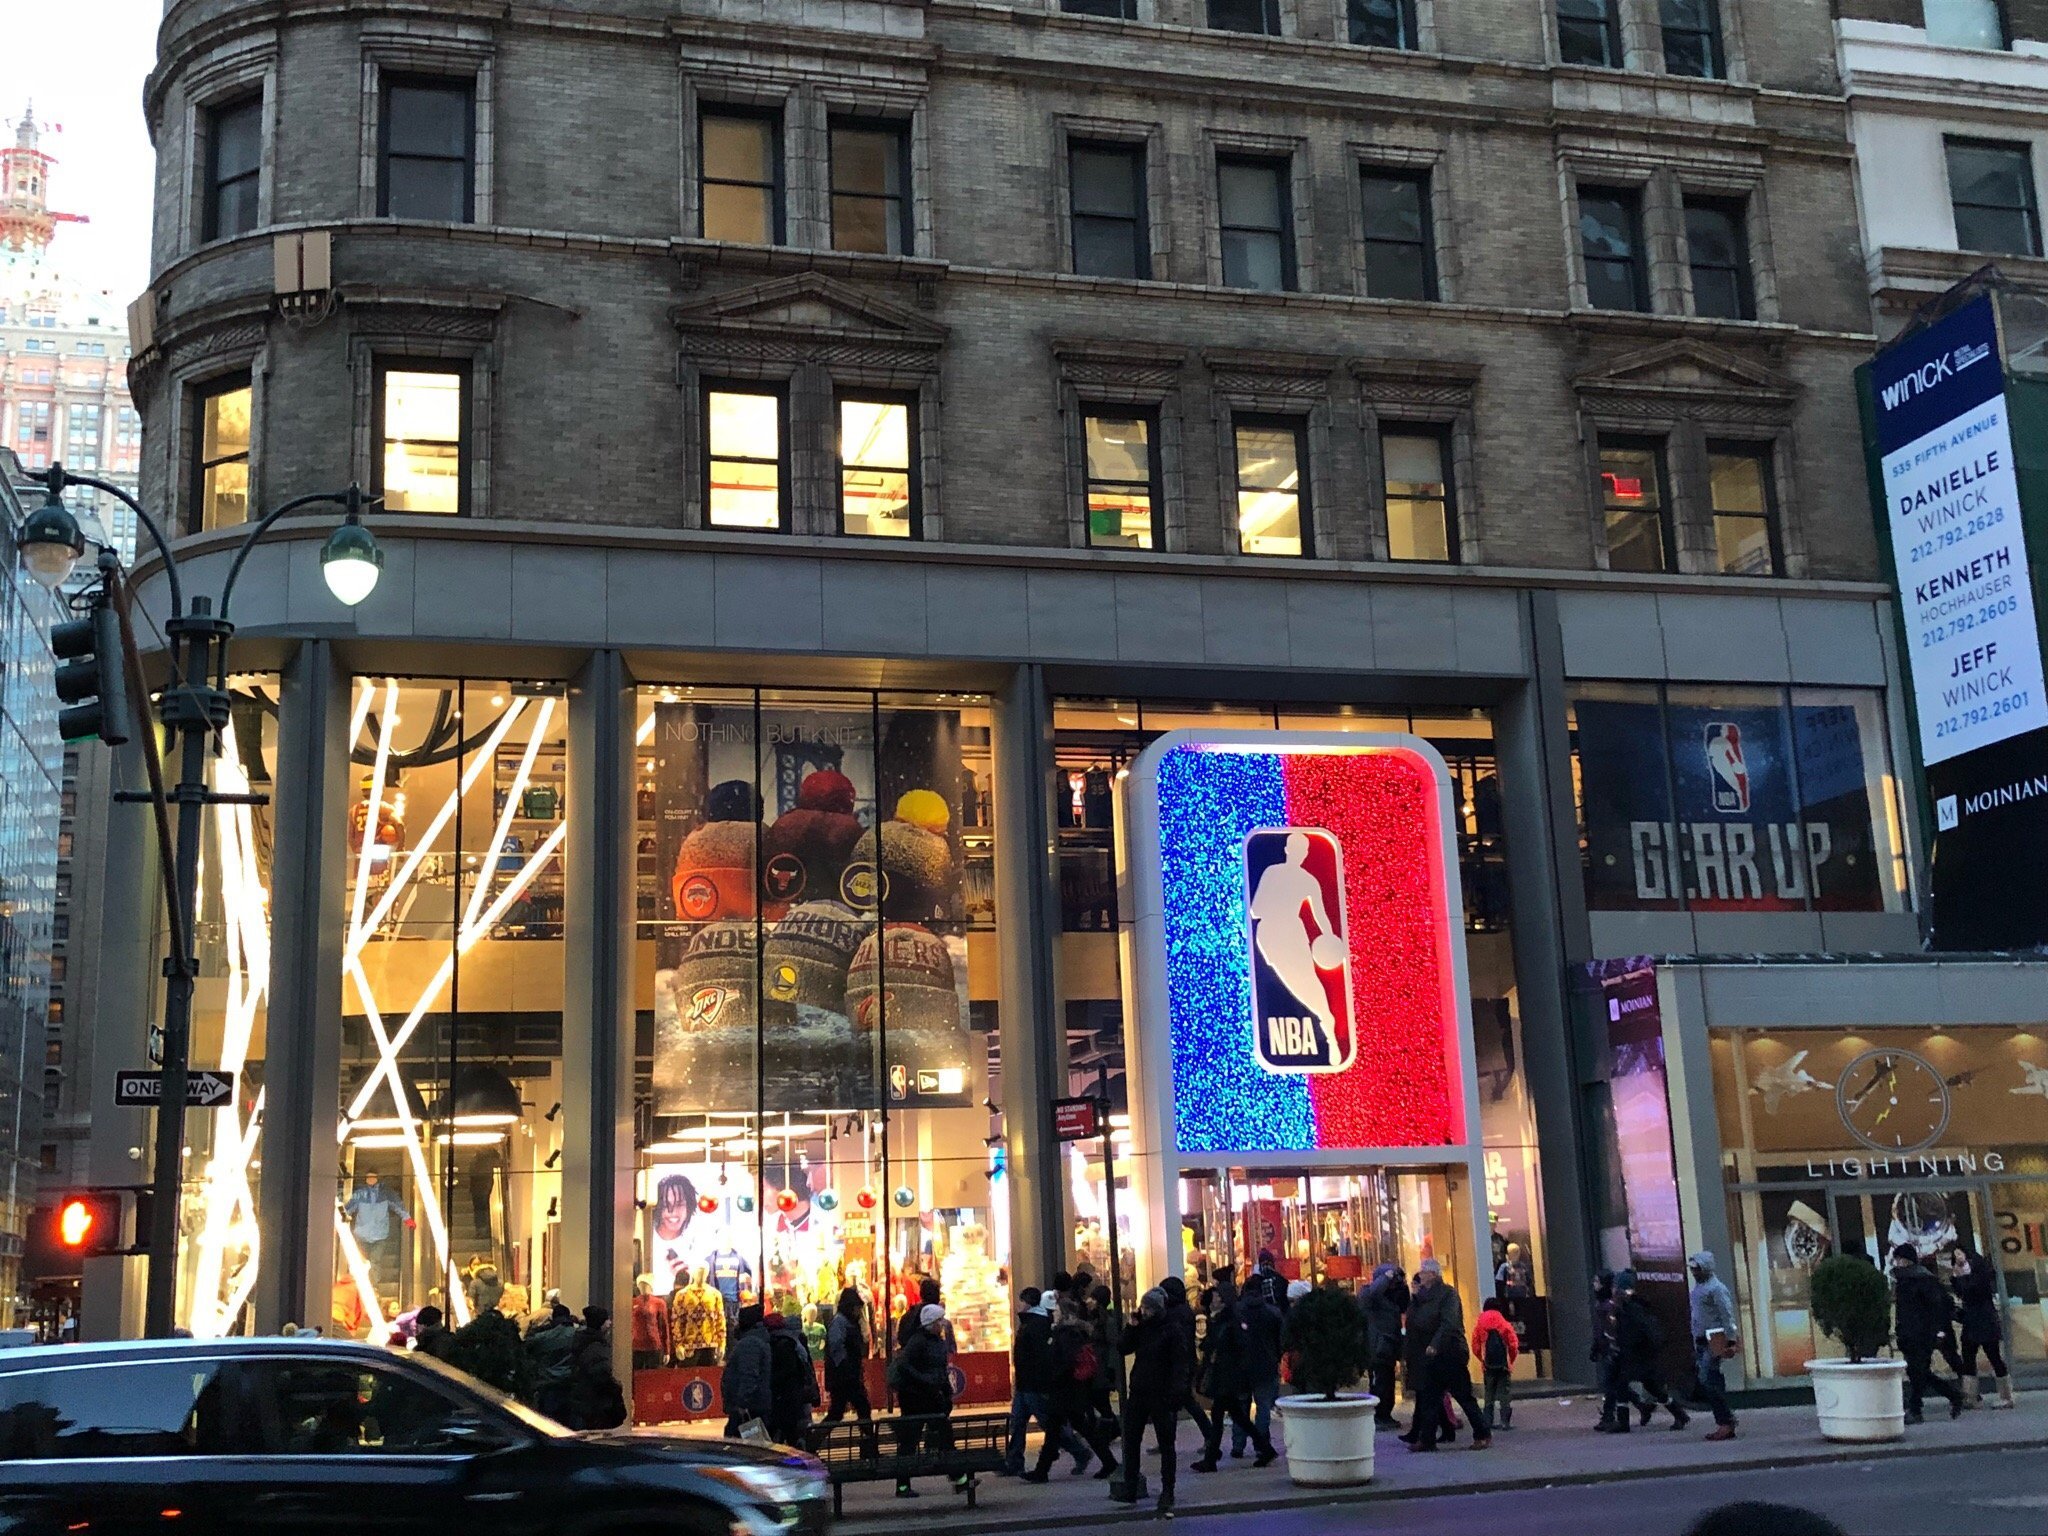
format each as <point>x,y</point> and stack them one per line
<point>1384,1302</point>
<point>1071,1394</point>
<point>1638,1336</point>
<point>924,1393</point>
<point>1439,1360</point>
<point>1923,1320</point>
<point>1182,1318</point>
<point>595,1399</point>
<point>1160,1376</point>
<point>1225,1376</point>
<point>792,1383</point>
<point>1976,1286</point>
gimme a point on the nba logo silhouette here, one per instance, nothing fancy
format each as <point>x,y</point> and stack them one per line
<point>1300,950</point>
<point>1731,774</point>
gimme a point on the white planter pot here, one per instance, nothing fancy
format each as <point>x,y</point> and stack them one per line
<point>1329,1444</point>
<point>1860,1402</point>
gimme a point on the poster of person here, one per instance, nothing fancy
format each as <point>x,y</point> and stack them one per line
<point>808,955</point>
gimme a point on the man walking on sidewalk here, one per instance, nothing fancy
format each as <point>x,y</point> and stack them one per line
<point>1161,1370</point>
<point>1437,1359</point>
<point>1924,1313</point>
<point>1713,1340</point>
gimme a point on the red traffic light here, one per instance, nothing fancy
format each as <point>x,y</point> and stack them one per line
<point>88,1221</point>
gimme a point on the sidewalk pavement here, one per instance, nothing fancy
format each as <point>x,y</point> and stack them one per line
<point>1552,1443</point>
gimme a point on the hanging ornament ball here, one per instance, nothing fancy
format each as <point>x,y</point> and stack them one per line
<point>865,1199</point>
<point>905,1196</point>
<point>826,1200</point>
<point>785,1200</point>
<point>745,1203</point>
<point>708,1204</point>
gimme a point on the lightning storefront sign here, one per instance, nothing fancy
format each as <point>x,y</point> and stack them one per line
<point>1939,415</point>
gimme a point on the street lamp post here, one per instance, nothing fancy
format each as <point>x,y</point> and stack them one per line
<point>193,706</point>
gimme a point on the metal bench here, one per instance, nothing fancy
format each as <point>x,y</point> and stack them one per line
<point>967,1443</point>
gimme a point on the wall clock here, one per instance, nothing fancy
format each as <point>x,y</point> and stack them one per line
<point>1893,1100</point>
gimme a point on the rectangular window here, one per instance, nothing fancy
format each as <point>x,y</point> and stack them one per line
<point>426,152</point>
<point>741,165</point>
<point>1992,188</point>
<point>1632,494</point>
<point>878,467</point>
<point>1400,257</point>
<point>1245,16</point>
<point>1115,10</point>
<point>1611,239</point>
<point>1692,38</point>
<point>1589,32</point>
<point>870,187</point>
<point>1717,247</point>
<point>220,458</point>
<point>1965,23</point>
<point>1745,527</point>
<point>234,168</point>
<point>1256,218</point>
<point>1123,478</point>
<point>1422,521</point>
<point>1107,184</point>
<point>1383,23</point>
<point>744,483</point>
<point>422,425</point>
<point>1272,486</point>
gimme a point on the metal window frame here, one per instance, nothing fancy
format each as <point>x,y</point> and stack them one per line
<point>1764,455</point>
<point>1607,27</point>
<point>1425,243</point>
<point>204,392</point>
<point>466,86</point>
<point>1297,425</point>
<point>1660,455</point>
<point>1282,170</point>
<point>1405,23</point>
<point>1713,34</point>
<point>1269,18</point>
<point>778,390</point>
<point>210,212</point>
<point>898,129</point>
<point>1441,433</point>
<point>2030,205</point>
<point>778,183</point>
<point>465,443</point>
<point>1139,216</point>
<point>1154,482</point>
<point>1736,211</point>
<point>908,402</point>
<point>1107,10</point>
<point>1630,201</point>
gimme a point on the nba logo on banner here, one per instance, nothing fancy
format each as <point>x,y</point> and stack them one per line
<point>1300,950</point>
<point>1731,774</point>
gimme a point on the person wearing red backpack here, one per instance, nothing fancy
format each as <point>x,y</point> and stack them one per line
<point>1075,1365</point>
<point>1495,1347</point>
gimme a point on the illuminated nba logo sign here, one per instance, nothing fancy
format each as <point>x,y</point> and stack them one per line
<point>697,1396</point>
<point>1724,761</point>
<point>1300,952</point>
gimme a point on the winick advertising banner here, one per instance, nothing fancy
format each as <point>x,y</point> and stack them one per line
<point>1948,474</point>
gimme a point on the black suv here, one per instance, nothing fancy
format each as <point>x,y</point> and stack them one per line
<point>311,1435</point>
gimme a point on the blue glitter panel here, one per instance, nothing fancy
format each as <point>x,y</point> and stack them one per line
<point>1223,1101</point>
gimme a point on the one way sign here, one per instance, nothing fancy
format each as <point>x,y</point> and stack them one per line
<point>203,1090</point>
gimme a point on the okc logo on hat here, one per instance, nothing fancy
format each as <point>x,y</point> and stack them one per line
<point>1300,950</point>
<point>706,1005</point>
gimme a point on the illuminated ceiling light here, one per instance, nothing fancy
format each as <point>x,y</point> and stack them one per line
<point>351,562</point>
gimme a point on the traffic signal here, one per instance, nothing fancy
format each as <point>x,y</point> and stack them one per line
<point>91,679</point>
<point>87,1222</point>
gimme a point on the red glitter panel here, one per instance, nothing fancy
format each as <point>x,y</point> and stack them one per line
<point>1402,1088</point>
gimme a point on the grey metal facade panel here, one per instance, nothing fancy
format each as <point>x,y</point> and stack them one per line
<point>1838,643</point>
<point>767,603</point>
<point>1491,637</point>
<point>1870,933</point>
<point>1833,996</point>
<point>556,589</point>
<point>1330,625</point>
<point>1071,613</point>
<point>1993,993</point>
<point>1158,618</point>
<point>977,611</point>
<point>462,590</point>
<point>658,598</point>
<point>1611,635</point>
<point>391,608</point>
<point>1756,933</point>
<point>1617,935</point>
<point>870,608</point>
<point>1716,638</point>
<point>1242,625</point>
<point>1414,629</point>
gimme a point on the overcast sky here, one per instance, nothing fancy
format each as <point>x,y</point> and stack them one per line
<point>83,62</point>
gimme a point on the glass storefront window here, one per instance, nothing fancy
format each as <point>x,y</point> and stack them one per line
<point>815,985</point>
<point>1856,1141</point>
<point>1729,798</point>
<point>218,1261</point>
<point>448,1186</point>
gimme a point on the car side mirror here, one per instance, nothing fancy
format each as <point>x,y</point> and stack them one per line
<point>472,1434</point>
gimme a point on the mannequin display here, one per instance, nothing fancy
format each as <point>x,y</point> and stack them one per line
<point>733,1278</point>
<point>651,1343</point>
<point>697,1320</point>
